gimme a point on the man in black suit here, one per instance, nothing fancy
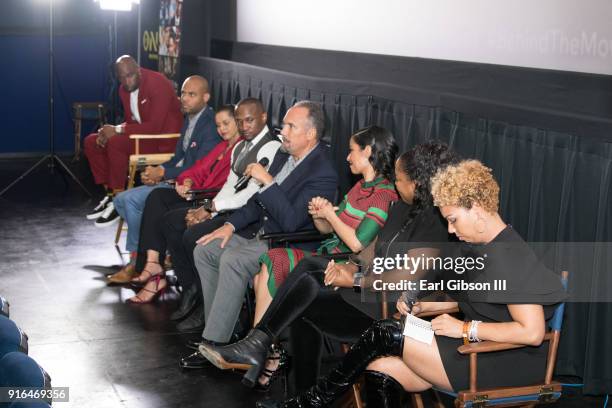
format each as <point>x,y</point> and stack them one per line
<point>258,143</point>
<point>227,258</point>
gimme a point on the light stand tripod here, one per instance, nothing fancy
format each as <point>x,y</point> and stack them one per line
<point>51,156</point>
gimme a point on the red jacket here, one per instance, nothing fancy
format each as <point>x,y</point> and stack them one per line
<point>158,105</point>
<point>200,172</point>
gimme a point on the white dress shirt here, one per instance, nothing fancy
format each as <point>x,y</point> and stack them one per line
<point>227,198</point>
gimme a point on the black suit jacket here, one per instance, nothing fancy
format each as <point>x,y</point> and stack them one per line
<point>203,139</point>
<point>284,207</point>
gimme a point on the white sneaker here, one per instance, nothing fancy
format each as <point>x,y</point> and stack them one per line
<point>109,217</point>
<point>99,209</point>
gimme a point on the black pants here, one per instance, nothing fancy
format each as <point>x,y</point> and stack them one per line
<point>182,240</point>
<point>159,202</point>
<point>311,310</point>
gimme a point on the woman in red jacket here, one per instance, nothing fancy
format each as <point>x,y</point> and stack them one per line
<point>210,172</point>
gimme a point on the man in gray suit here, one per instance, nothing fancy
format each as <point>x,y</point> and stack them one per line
<point>227,258</point>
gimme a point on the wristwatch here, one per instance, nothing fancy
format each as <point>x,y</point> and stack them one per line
<point>207,204</point>
<point>357,278</point>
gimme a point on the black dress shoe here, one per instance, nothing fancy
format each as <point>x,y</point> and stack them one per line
<point>194,344</point>
<point>194,361</point>
<point>195,321</point>
<point>189,300</point>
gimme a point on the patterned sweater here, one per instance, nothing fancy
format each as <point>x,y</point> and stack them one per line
<point>364,209</point>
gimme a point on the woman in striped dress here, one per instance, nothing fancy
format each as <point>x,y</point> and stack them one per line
<point>353,224</point>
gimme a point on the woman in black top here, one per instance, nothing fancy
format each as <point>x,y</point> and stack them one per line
<point>467,196</point>
<point>306,302</point>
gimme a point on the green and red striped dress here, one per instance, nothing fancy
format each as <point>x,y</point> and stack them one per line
<point>364,209</point>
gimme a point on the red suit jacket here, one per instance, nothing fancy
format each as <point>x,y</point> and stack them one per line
<point>159,108</point>
<point>201,173</point>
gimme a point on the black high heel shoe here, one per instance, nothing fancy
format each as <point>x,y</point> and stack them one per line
<point>383,338</point>
<point>248,354</point>
<point>277,352</point>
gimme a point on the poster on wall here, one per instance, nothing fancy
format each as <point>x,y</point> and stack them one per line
<point>170,38</point>
<point>149,34</point>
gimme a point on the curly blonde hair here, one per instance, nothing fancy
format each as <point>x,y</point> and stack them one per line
<point>464,184</point>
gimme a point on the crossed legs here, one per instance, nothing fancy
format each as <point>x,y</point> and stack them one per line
<point>419,369</point>
<point>224,274</point>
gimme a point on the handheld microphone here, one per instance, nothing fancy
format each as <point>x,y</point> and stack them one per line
<point>244,180</point>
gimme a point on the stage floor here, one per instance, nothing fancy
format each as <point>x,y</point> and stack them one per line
<point>111,354</point>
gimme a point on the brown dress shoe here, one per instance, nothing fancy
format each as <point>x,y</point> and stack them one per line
<point>125,275</point>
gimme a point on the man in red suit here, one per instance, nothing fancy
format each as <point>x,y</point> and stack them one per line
<point>151,106</point>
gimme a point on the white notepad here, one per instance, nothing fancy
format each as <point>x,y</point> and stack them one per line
<point>418,329</point>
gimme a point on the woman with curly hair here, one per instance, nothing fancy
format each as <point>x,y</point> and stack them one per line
<point>467,196</point>
<point>306,301</point>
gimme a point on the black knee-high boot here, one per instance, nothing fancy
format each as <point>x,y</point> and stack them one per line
<point>383,338</point>
<point>382,391</point>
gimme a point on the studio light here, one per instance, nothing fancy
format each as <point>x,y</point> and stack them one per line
<point>52,158</point>
<point>117,5</point>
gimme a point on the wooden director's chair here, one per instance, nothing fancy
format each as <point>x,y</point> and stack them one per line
<point>547,391</point>
<point>139,161</point>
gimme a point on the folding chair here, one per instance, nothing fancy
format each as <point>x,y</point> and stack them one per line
<point>139,161</point>
<point>547,391</point>
<point>86,111</point>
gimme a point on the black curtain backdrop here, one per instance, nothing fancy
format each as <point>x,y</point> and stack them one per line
<point>576,103</point>
<point>555,185</point>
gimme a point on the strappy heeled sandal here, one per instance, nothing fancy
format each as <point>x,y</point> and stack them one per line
<point>159,291</point>
<point>277,353</point>
<point>146,274</point>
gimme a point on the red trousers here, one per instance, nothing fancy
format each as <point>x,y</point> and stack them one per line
<point>109,164</point>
